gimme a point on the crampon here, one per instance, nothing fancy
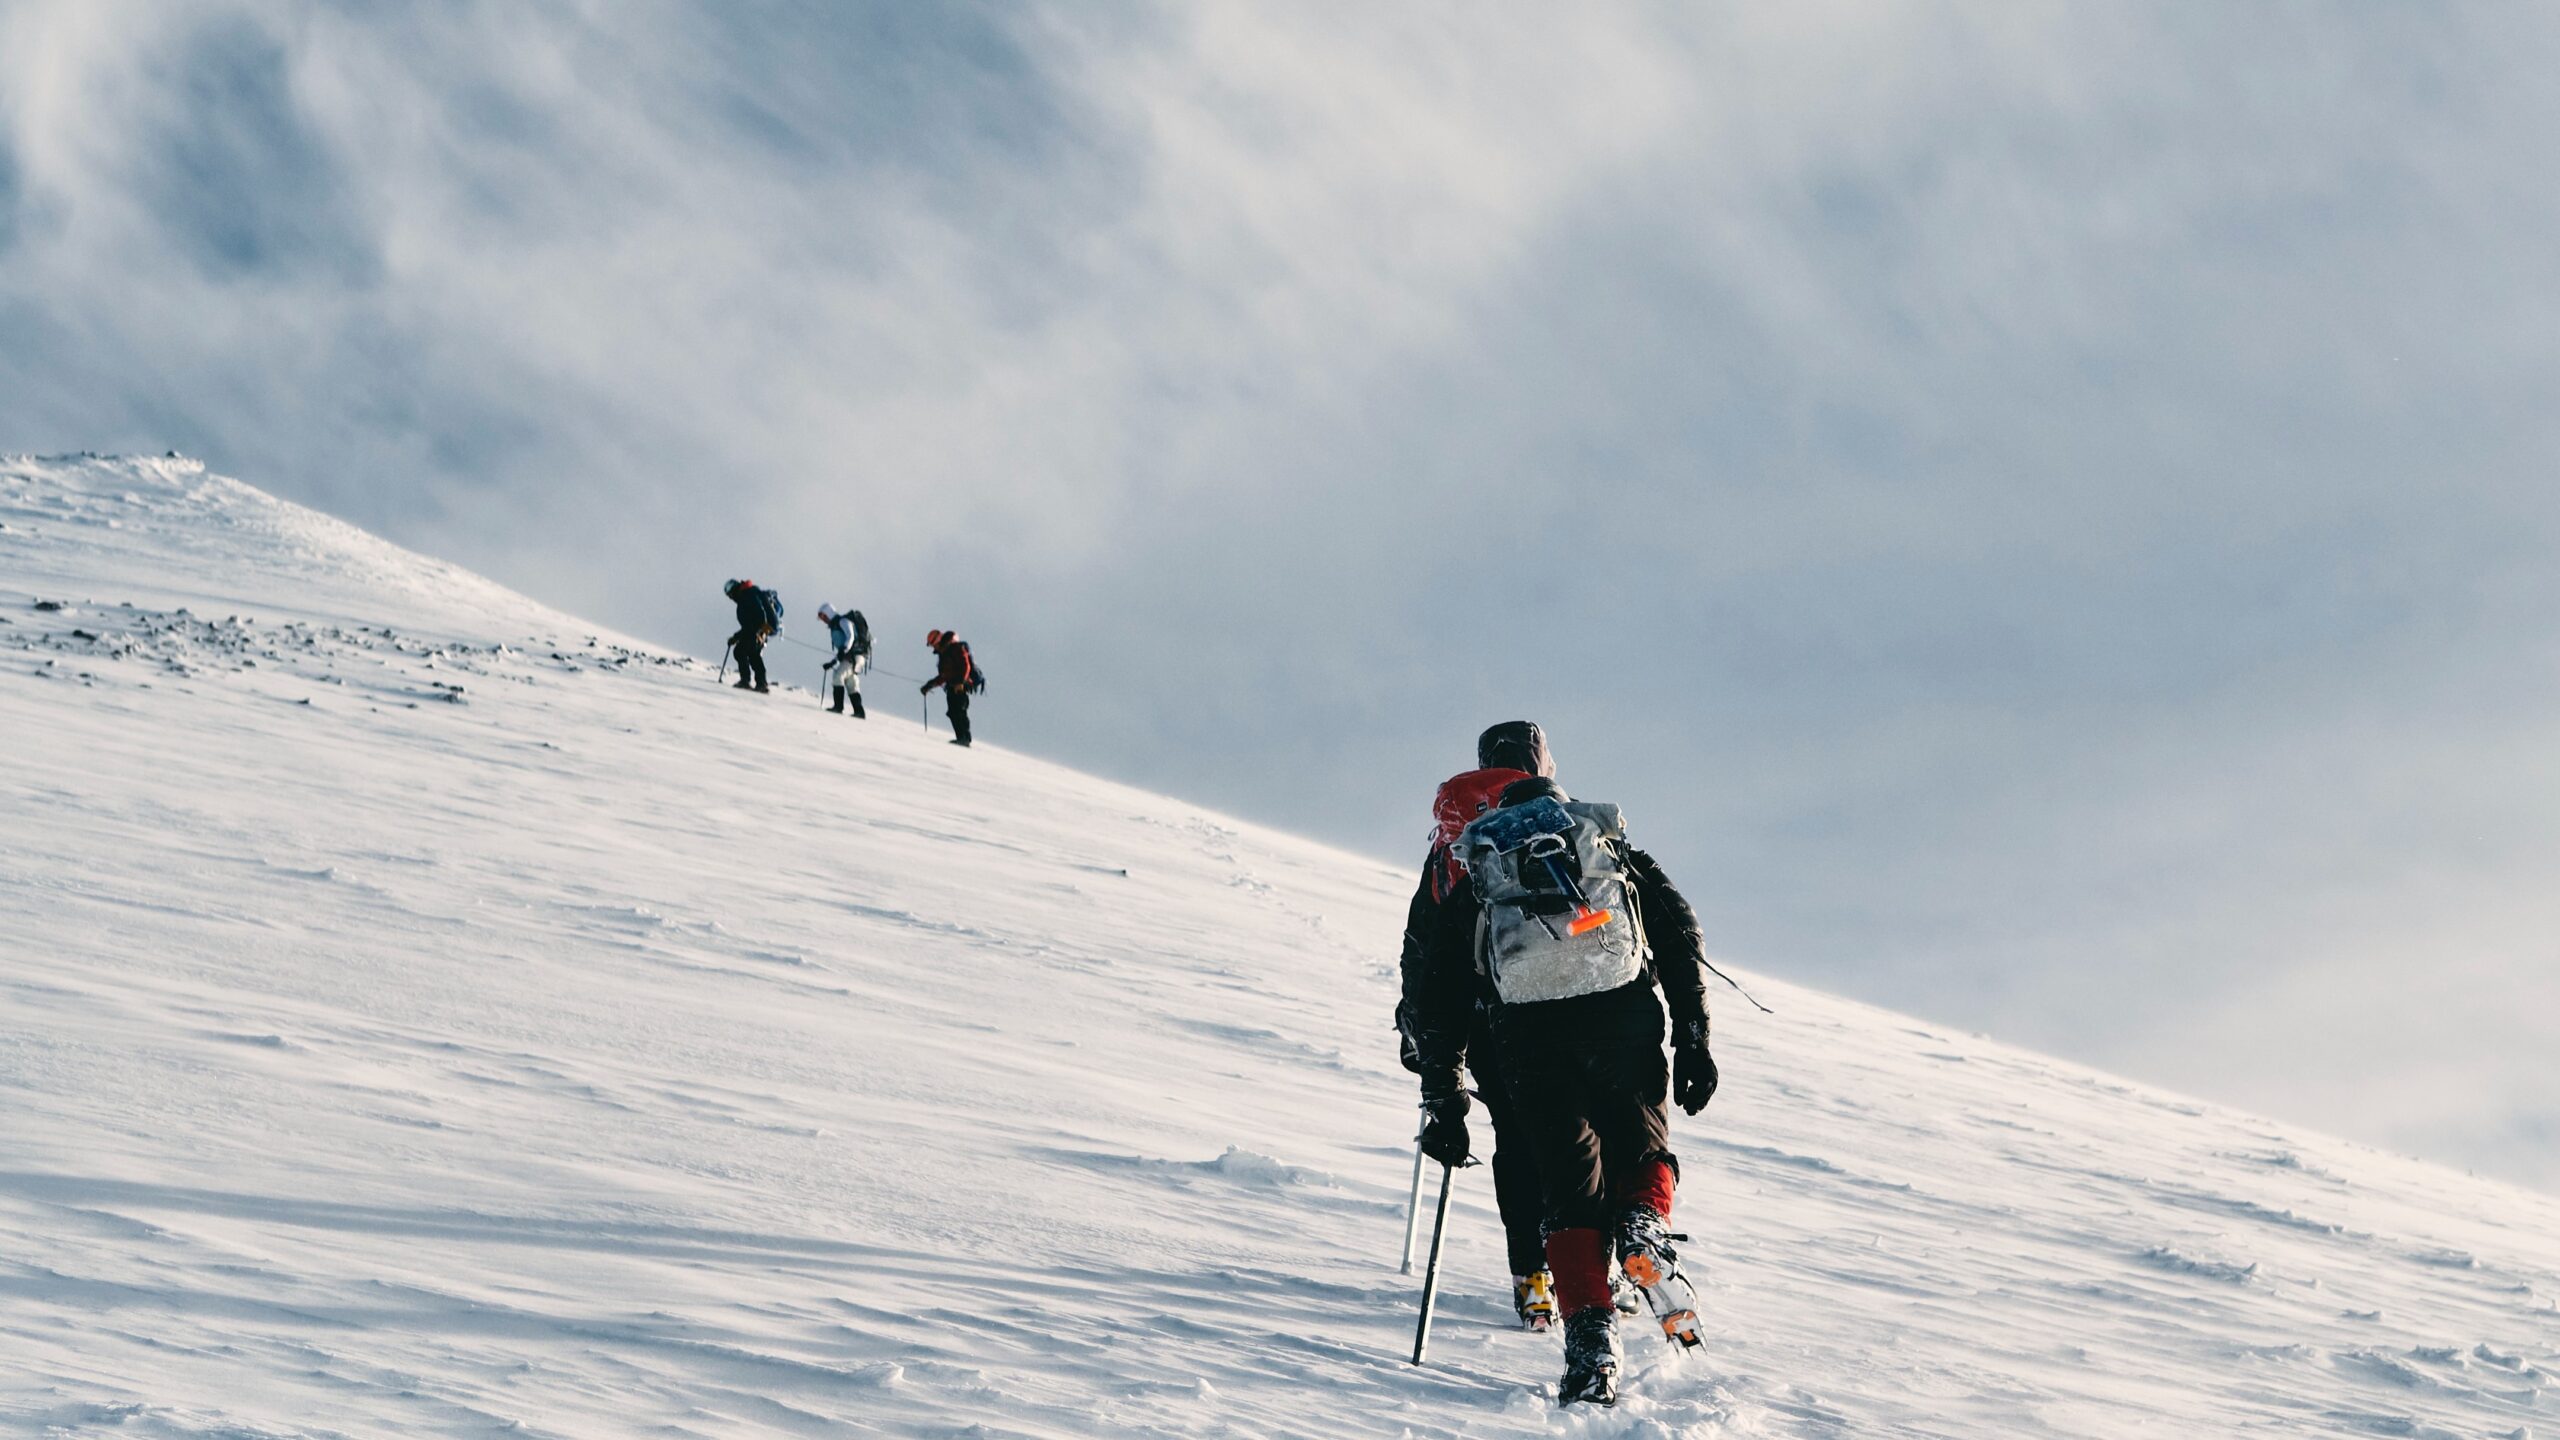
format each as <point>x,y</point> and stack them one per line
<point>1653,1267</point>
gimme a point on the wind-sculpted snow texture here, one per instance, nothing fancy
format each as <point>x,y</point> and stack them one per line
<point>425,1015</point>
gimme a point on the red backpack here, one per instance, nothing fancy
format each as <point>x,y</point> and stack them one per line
<point>1461,799</point>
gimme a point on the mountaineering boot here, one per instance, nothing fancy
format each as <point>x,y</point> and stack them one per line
<point>1590,1358</point>
<point>857,708</point>
<point>1533,1298</point>
<point>838,707</point>
<point>1644,1245</point>
<point>1653,1267</point>
<point>742,684</point>
<point>1624,1294</point>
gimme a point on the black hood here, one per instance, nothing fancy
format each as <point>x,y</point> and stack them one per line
<point>1515,745</point>
<point>1536,787</point>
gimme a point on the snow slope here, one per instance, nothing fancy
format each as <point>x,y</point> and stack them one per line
<point>428,1015</point>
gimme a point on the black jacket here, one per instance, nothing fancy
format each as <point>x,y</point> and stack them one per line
<point>750,599</point>
<point>1444,985</point>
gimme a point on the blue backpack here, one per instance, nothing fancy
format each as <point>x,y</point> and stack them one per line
<point>772,610</point>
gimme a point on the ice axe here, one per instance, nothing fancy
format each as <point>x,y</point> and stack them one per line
<point>1431,1271</point>
<point>1550,850</point>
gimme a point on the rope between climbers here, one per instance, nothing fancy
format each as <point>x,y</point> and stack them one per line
<point>875,670</point>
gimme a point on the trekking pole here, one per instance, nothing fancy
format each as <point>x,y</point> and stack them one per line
<point>1431,1273</point>
<point>1412,1212</point>
<point>724,657</point>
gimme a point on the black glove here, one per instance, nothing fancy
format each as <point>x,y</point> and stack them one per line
<point>1408,1053</point>
<point>925,689</point>
<point>1444,1120</point>
<point>1693,1070</point>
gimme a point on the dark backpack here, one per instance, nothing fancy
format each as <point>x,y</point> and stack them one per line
<point>861,632</point>
<point>772,610</point>
<point>976,684</point>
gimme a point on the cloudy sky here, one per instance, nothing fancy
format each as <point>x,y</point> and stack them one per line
<point>2044,513</point>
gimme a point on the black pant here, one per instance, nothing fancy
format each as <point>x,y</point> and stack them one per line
<point>1516,1192</point>
<point>750,652</point>
<point>956,705</point>
<point>1592,1095</point>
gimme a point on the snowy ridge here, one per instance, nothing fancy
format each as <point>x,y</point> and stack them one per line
<point>426,1013</point>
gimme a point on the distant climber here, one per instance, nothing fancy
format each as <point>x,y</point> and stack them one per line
<point>759,618</point>
<point>1580,939</point>
<point>851,635</point>
<point>957,676</point>
<point>1514,751</point>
